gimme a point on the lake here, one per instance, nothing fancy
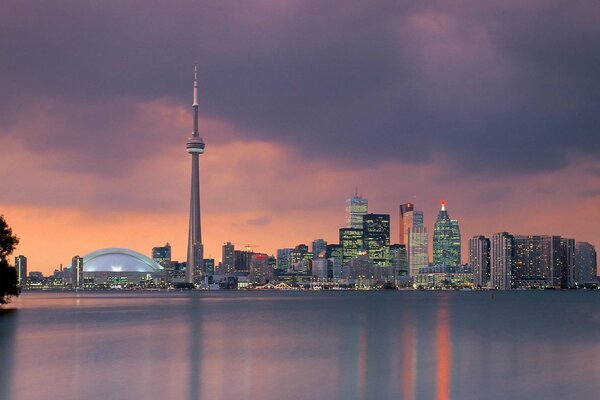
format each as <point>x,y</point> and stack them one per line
<point>301,345</point>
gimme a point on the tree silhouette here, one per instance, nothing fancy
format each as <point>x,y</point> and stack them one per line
<point>8,274</point>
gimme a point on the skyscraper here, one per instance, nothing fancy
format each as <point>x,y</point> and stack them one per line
<point>543,260</point>
<point>479,258</point>
<point>446,240</point>
<point>162,254</point>
<point>228,259</point>
<point>77,270</point>
<point>319,247</point>
<point>356,208</point>
<point>21,267</point>
<point>406,221</point>
<point>376,237</point>
<point>418,245</point>
<point>502,261</point>
<point>586,263</point>
<point>351,240</point>
<point>195,146</point>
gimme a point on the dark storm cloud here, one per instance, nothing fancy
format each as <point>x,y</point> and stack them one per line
<point>505,87</point>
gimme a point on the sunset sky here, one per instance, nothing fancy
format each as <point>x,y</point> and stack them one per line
<point>491,106</point>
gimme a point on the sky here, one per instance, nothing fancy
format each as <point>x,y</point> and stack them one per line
<point>490,107</point>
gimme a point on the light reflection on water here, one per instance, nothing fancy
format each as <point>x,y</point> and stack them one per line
<point>274,345</point>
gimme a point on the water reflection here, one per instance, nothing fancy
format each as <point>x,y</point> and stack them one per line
<point>444,351</point>
<point>8,326</point>
<point>301,345</point>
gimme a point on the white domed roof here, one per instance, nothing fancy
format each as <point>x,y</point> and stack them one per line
<point>118,260</point>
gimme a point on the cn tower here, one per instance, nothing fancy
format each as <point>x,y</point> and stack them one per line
<point>195,146</point>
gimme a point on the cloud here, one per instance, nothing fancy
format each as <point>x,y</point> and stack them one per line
<point>260,221</point>
<point>500,88</point>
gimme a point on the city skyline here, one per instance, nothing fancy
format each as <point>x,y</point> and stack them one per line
<point>301,103</point>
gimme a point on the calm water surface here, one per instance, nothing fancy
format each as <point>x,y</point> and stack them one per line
<point>301,345</point>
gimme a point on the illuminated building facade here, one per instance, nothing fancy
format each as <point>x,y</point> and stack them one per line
<point>406,221</point>
<point>586,264</point>
<point>376,237</point>
<point>418,246</point>
<point>351,240</point>
<point>502,261</point>
<point>319,248</point>
<point>162,254</point>
<point>446,239</point>
<point>21,267</point>
<point>479,259</point>
<point>77,271</point>
<point>228,259</point>
<point>356,208</point>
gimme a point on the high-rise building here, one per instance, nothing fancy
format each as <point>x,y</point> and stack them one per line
<point>261,270</point>
<point>418,249</point>
<point>300,259</point>
<point>228,259</point>
<point>479,258</point>
<point>418,245</point>
<point>502,261</point>
<point>334,254</point>
<point>77,271</point>
<point>376,237</point>
<point>284,260</point>
<point>21,267</point>
<point>399,260</point>
<point>543,260</point>
<point>356,208</point>
<point>446,240</point>
<point>209,266</point>
<point>319,248</point>
<point>242,261</point>
<point>195,146</point>
<point>162,254</point>
<point>406,221</point>
<point>586,264</point>
<point>351,240</point>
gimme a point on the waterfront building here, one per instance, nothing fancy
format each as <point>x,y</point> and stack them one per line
<point>21,267</point>
<point>77,271</point>
<point>586,264</point>
<point>376,238</point>
<point>195,147</point>
<point>446,239</point>
<point>502,261</point>
<point>117,266</point>
<point>479,259</point>
<point>228,258</point>
<point>356,208</point>
<point>351,240</point>
<point>360,271</point>
<point>543,261</point>
<point>445,276</point>
<point>319,248</point>
<point>162,254</point>
<point>261,270</point>
<point>406,222</point>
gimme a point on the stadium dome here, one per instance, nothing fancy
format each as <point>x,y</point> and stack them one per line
<point>119,260</point>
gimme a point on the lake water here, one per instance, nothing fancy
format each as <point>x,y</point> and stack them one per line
<point>302,345</point>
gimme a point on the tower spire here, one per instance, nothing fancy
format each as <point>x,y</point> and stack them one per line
<point>195,146</point>
<point>195,104</point>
